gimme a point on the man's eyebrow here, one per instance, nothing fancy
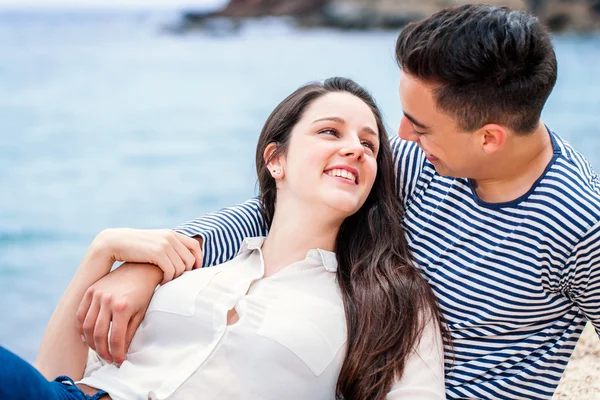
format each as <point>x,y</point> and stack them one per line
<point>342,121</point>
<point>414,121</point>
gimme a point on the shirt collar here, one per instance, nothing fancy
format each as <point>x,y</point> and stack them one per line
<point>327,258</point>
<point>252,243</point>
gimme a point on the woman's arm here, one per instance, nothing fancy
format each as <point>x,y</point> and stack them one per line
<point>423,377</point>
<point>63,351</point>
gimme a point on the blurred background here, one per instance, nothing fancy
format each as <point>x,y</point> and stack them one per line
<point>146,113</point>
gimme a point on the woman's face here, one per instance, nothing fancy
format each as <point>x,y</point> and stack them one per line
<point>331,157</point>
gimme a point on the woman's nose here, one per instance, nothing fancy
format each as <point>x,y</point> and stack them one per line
<point>353,148</point>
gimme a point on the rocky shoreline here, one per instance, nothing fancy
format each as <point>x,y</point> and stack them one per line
<point>581,380</point>
<point>558,15</point>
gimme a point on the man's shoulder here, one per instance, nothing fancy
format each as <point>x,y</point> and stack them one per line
<point>575,170</point>
<point>573,185</point>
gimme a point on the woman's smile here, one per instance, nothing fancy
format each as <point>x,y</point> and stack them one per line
<point>343,173</point>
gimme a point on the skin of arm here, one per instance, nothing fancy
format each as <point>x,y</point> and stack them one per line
<point>62,352</point>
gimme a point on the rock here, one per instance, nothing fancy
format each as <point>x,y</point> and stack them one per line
<point>578,15</point>
<point>559,15</point>
<point>353,14</point>
<point>267,8</point>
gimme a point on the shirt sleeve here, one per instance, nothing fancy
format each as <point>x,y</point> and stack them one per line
<point>223,231</point>
<point>423,377</point>
<point>583,275</point>
<point>409,160</point>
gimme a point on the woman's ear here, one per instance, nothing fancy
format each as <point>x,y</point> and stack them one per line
<point>273,162</point>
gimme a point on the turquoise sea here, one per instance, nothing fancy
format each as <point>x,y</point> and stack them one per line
<point>106,120</point>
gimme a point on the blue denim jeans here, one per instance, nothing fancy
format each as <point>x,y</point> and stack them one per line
<point>19,380</point>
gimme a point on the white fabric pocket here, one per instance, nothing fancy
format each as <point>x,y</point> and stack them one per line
<point>312,329</point>
<point>179,295</point>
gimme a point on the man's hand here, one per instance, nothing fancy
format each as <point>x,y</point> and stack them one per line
<point>172,252</point>
<point>120,298</point>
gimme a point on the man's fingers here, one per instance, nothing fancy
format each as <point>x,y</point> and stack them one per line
<point>89,322</point>
<point>101,329</point>
<point>118,332</point>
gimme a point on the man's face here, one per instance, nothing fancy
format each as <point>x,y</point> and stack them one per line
<point>452,151</point>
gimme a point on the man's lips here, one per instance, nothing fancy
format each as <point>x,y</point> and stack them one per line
<point>430,157</point>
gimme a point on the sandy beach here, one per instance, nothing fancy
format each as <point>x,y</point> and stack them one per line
<point>581,380</point>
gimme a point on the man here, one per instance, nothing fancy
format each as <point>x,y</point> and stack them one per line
<point>502,216</point>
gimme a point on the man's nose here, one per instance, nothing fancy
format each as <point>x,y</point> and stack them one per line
<point>406,131</point>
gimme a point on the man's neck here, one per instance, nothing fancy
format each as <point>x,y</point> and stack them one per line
<point>517,168</point>
<point>294,231</point>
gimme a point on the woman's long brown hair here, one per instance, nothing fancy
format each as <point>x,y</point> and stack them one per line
<point>387,302</point>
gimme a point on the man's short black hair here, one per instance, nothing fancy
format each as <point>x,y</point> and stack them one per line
<point>488,64</point>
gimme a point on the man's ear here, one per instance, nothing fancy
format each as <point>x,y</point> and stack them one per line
<point>493,137</point>
<point>273,161</point>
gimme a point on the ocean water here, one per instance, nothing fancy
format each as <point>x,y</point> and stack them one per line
<point>108,121</point>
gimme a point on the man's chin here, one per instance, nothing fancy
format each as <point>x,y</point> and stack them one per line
<point>443,171</point>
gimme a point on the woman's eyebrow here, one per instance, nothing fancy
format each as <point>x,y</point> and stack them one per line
<point>334,119</point>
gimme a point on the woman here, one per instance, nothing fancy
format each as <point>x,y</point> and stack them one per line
<point>288,317</point>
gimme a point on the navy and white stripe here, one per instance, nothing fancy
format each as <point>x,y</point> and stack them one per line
<point>516,281</point>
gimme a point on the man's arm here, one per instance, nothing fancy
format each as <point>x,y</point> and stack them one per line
<point>583,275</point>
<point>223,231</point>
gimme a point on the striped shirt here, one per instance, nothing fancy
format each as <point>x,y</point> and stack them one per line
<point>516,281</point>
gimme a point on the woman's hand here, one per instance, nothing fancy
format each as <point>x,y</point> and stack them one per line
<point>172,252</point>
<point>120,298</point>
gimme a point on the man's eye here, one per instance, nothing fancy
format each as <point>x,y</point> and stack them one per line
<point>417,132</point>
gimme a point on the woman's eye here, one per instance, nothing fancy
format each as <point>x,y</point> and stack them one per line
<point>368,145</point>
<point>330,131</point>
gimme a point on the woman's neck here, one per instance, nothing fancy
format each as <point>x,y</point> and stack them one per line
<point>297,228</point>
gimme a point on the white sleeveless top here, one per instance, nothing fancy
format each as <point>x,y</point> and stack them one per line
<point>289,341</point>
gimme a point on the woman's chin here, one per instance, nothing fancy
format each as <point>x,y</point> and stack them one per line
<point>344,206</point>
